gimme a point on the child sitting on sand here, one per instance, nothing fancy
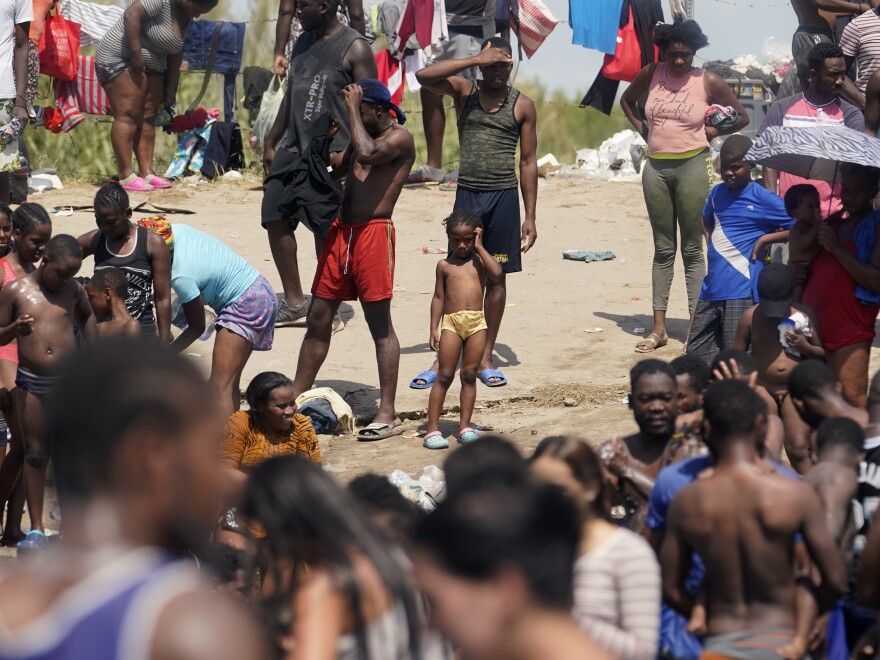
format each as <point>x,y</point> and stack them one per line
<point>781,333</point>
<point>458,298</point>
<point>107,291</point>
<point>43,310</point>
<point>802,204</point>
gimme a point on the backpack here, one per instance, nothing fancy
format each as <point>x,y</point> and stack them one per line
<point>224,151</point>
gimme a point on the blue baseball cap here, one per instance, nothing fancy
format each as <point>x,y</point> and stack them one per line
<point>376,93</point>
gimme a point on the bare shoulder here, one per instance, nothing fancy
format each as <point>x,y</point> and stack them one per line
<point>359,50</point>
<point>400,135</point>
<point>202,626</point>
<point>133,328</point>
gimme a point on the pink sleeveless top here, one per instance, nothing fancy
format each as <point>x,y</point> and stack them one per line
<point>676,112</point>
<point>10,351</point>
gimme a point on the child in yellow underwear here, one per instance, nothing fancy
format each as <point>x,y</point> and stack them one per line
<point>458,298</point>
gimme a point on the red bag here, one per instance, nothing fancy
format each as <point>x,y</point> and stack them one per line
<point>627,59</point>
<point>59,47</point>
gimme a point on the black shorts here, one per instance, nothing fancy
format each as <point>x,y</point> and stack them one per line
<point>273,193</point>
<point>502,232</point>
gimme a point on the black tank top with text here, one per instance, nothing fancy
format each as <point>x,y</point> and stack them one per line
<point>317,76</point>
<point>138,269</point>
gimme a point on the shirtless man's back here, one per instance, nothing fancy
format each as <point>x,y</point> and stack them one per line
<point>742,521</point>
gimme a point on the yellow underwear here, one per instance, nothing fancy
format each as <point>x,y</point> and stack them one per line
<point>464,323</point>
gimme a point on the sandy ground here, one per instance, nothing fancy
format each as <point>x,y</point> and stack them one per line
<point>543,347</point>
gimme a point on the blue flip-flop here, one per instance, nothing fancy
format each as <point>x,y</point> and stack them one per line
<point>427,376</point>
<point>486,374</point>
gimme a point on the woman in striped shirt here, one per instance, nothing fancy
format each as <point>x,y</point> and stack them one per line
<point>138,63</point>
<point>616,576</point>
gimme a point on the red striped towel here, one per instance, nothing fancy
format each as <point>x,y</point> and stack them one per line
<point>83,94</point>
<point>536,22</point>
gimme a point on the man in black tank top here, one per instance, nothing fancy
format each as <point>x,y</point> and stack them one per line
<point>327,57</point>
<point>493,118</point>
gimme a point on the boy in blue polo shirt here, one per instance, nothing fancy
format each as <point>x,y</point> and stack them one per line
<point>740,219</point>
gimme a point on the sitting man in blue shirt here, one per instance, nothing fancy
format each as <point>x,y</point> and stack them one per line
<point>740,219</point>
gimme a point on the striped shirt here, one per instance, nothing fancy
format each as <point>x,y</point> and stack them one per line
<point>158,39</point>
<point>617,596</point>
<point>798,111</point>
<point>861,40</point>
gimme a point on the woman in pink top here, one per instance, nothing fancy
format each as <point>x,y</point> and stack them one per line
<point>678,171</point>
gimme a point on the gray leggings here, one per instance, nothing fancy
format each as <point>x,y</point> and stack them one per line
<point>675,194</point>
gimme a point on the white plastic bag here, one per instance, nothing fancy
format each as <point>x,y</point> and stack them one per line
<point>269,105</point>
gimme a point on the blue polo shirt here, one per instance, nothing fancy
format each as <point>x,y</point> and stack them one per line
<point>736,222</point>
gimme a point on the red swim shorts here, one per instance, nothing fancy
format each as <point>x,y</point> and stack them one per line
<point>357,262</point>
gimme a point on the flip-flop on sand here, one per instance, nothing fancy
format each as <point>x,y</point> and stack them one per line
<point>651,343</point>
<point>427,377</point>
<point>486,374</point>
<point>378,431</point>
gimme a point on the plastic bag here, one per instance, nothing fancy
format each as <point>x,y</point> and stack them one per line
<point>272,99</point>
<point>59,48</point>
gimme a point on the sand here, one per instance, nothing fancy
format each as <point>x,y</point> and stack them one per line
<point>542,343</point>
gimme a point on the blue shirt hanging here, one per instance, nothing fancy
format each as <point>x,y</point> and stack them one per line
<point>594,23</point>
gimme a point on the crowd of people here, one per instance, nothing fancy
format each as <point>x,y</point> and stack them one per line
<point>735,522</point>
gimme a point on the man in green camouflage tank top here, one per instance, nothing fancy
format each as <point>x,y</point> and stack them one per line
<point>493,118</point>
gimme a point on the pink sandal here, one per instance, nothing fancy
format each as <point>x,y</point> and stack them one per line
<point>138,184</point>
<point>158,182</point>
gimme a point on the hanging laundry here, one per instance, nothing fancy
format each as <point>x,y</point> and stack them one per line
<point>646,14</point>
<point>95,20</point>
<point>412,64</point>
<point>391,72</point>
<point>424,19</point>
<point>227,61</point>
<point>82,95</point>
<point>594,23</point>
<point>532,23</point>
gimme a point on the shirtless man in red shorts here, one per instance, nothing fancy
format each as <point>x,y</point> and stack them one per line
<point>357,262</point>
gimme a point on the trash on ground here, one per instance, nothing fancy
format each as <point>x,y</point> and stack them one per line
<point>587,256</point>
<point>425,491</point>
<point>547,165</point>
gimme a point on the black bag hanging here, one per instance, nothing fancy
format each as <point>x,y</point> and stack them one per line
<point>224,151</point>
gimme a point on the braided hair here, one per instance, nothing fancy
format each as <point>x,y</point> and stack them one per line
<point>28,217</point>
<point>112,196</point>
